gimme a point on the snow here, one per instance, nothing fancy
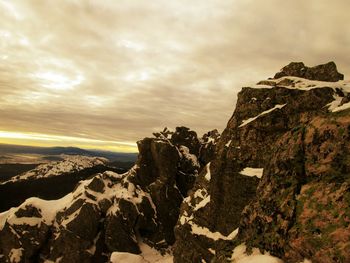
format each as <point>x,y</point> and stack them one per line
<point>306,84</point>
<point>335,106</point>
<point>208,174</point>
<point>71,163</point>
<point>228,144</point>
<point>202,203</point>
<point>15,255</point>
<point>48,209</point>
<point>342,107</point>
<point>335,103</point>
<point>199,193</point>
<point>278,106</point>
<point>148,255</point>
<point>196,229</point>
<point>249,171</point>
<point>117,257</point>
<point>204,231</point>
<point>239,256</point>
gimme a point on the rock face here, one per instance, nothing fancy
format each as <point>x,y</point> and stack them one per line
<point>110,212</point>
<point>325,72</point>
<point>302,205</point>
<point>263,115</point>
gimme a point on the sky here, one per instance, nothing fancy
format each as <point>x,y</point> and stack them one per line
<point>106,73</point>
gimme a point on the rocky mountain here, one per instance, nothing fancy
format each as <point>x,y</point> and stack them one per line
<point>69,164</point>
<point>110,212</point>
<point>10,153</point>
<point>274,187</point>
<point>54,179</point>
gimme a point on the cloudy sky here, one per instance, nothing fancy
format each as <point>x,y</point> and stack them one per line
<point>106,73</point>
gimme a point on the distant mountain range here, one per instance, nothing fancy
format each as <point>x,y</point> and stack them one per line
<point>111,156</point>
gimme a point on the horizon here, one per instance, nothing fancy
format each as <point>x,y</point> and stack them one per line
<point>103,75</point>
<point>59,146</point>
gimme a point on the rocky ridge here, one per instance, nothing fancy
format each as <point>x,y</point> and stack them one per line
<point>69,164</point>
<point>110,212</point>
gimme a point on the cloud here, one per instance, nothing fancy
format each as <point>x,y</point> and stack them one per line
<point>110,70</point>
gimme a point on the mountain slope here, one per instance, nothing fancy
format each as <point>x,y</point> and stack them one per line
<point>110,212</point>
<point>69,164</point>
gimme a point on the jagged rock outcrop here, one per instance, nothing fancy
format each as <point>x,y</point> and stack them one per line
<point>302,205</point>
<point>109,212</point>
<point>263,115</point>
<point>324,72</point>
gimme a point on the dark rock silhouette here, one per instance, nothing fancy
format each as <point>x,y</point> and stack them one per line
<point>324,72</point>
<point>110,211</point>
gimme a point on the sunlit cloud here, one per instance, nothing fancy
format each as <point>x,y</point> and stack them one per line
<point>58,81</point>
<point>116,71</point>
<point>11,9</point>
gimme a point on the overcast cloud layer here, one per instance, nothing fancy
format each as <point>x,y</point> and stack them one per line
<point>119,70</point>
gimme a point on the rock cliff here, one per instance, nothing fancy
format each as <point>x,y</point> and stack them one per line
<point>264,114</point>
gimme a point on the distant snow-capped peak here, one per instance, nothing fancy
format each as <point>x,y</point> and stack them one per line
<point>69,164</point>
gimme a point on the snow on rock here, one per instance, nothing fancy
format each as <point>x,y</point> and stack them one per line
<point>345,106</point>
<point>245,122</point>
<point>71,163</point>
<point>228,144</point>
<point>47,209</point>
<point>290,82</point>
<point>335,103</point>
<point>305,84</point>
<point>204,231</point>
<point>117,257</point>
<point>240,256</point>
<point>202,203</point>
<point>249,171</point>
<point>147,255</point>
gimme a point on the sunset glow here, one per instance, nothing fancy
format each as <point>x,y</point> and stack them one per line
<point>36,139</point>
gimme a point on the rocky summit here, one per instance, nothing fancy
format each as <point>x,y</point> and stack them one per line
<point>273,187</point>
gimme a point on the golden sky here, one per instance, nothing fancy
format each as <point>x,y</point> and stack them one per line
<point>106,73</point>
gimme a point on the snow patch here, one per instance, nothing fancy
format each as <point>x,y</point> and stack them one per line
<point>240,256</point>
<point>345,106</point>
<point>204,231</point>
<point>48,209</point>
<point>306,84</point>
<point>228,144</point>
<point>147,255</point>
<point>202,203</point>
<point>245,122</point>
<point>249,171</point>
<point>335,103</point>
